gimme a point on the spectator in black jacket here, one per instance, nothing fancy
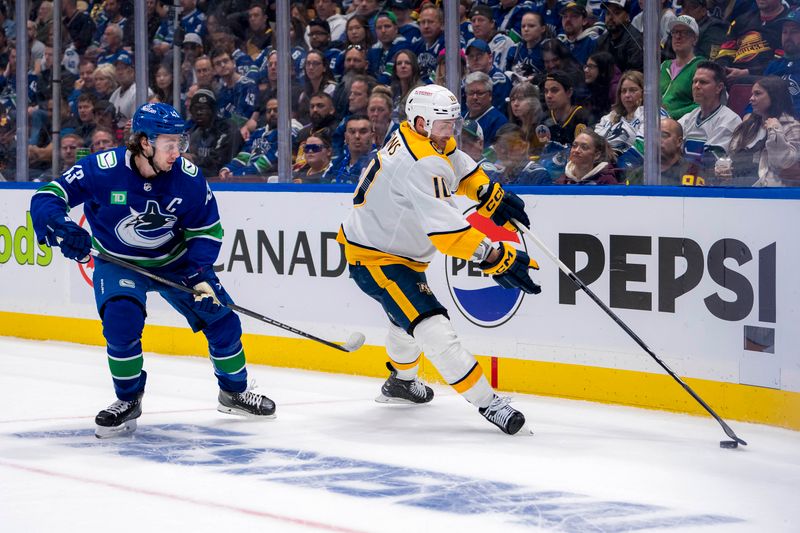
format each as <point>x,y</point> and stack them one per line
<point>622,40</point>
<point>79,25</point>
<point>213,141</point>
<point>712,29</point>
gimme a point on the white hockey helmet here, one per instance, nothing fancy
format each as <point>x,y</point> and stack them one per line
<point>432,102</point>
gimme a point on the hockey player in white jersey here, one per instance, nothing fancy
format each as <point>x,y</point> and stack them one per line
<point>402,215</point>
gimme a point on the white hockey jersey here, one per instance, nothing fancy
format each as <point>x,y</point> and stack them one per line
<point>403,211</point>
<point>712,132</point>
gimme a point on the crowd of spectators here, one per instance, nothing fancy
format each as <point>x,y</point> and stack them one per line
<point>552,90</point>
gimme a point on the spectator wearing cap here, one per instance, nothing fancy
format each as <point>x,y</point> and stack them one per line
<point>478,91</point>
<point>405,24</point>
<point>479,59</point>
<point>707,130</point>
<point>236,94</point>
<point>712,30</point>
<point>564,120</point>
<point>580,41</point>
<point>622,40</point>
<point>427,48</point>
<point>472,144</point>
<point>79,25</point>
<point>192,48</point>
<point>124,97</point>
<point>317,150</point>
<point>382,53</point>
<point>526,61</point>
<point>259,155</point>
<point>787,66</point>
<point>213,141</point>
<point>752,39</point>
<point>328,10</point>
<point>319,34</point>
<point>484,28</point>
<point>676,77</point>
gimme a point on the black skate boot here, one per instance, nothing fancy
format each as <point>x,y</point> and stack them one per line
<point>503,415</point>
<point>245,404</point>
<point>397,390</point>
<point>118,419</point>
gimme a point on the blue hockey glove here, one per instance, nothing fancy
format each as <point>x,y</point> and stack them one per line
<point>204,281</point>
<point>510,270</point>
<point>74,241</point>
<point>502,206</point>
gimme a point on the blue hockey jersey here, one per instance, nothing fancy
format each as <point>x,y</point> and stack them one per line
<point>169,223</point>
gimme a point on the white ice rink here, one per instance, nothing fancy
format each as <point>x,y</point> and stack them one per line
<point>334,460</point>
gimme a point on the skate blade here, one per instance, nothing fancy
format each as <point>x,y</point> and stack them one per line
<point>122,430</point>
<point>239,412</point>
<point>397,401</point>
<point>524,431</point>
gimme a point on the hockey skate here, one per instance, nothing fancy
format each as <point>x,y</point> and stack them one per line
<point>118,419</point>
<point>397,390</point>
<point>502,415</point>
<point>245,403</point>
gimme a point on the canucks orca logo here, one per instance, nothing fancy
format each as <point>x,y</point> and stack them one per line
<point>150,229</point>
<point>482,301</point>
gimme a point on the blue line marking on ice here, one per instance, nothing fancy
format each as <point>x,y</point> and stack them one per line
<point>229,452</point>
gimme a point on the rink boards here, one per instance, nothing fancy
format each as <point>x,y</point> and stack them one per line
<point>708,281</point>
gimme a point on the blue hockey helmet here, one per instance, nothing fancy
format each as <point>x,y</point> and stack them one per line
<point>157,119</point>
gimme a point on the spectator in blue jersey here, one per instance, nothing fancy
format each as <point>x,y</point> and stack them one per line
<point>84,83</point>
<point>405,24</point>
<point>479,59</point>
<point>259,155</point>
<point>514,167</point>
<point>431,41</point>
<point>464,23</point>
<point>358,141</point>
<point>236,94</point>
<point>147,205</point>
<point>389,43</point>
<point>484,28</point>
<point>213,141</point>
<point>526,60</point>
<point>319,34</point>
<point>111,44</point>
<point>787,66</point>
<point>508,16</point>
<point>192,21</point>
<point>580,41</point>
<point>478,90</point>
<point>112,14</point>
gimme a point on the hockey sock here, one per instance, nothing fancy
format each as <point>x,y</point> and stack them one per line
<point>403,352</point>
<point>227,354</point>
<point>456,365</point>
<point>123,321</point>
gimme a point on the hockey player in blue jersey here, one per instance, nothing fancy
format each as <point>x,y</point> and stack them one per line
<point>149,206</point>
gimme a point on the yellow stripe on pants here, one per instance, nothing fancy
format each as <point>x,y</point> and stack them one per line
<point>395,293</point>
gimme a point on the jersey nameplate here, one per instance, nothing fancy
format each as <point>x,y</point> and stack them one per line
<point>107,160</point>
<point>189,167</point>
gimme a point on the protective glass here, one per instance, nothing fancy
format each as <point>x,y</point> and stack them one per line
<point>171,143</point>
<point>446,128</point>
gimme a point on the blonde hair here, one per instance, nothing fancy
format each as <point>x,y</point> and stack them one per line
<point>107,71</point>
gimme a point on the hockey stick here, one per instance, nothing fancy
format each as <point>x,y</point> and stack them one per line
<point>355,341</point>
<point>575,279</point>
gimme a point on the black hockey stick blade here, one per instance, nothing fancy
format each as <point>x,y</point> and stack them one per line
<point>353,343</point>
<point>577,281</point>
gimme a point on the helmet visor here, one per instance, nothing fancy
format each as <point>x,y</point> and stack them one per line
<point>446,128</point>
<point>171,143</point>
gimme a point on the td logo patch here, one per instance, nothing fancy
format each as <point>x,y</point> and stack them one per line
<point>482,301</point>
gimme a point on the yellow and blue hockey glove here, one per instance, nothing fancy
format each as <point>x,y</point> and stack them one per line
<point>502,206</point>
<point>510,270</point>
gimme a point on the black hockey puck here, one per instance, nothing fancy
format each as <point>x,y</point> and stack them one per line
<point>728,444</point>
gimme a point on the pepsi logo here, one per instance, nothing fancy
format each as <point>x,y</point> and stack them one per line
<point>476,295</point>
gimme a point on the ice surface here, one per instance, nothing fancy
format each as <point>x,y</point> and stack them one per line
<point>334,460</point>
